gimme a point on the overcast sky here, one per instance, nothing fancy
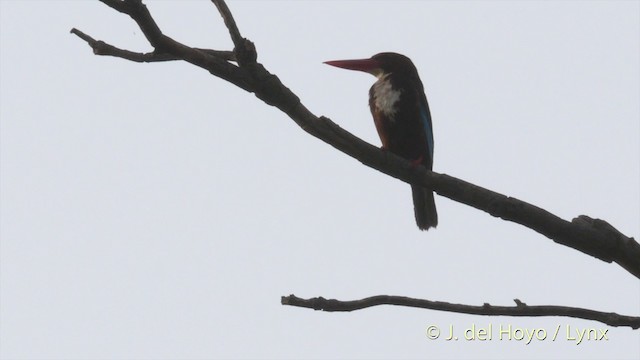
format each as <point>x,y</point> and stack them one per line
<point>152,211</point>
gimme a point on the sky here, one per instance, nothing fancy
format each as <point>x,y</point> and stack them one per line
<point>153,211</point>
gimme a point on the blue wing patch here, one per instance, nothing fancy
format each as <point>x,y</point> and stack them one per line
<point>425,117</point>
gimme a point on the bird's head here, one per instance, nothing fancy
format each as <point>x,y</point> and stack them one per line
<point>379,64</point>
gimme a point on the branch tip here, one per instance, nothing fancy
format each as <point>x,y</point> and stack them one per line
<point>229,22</point>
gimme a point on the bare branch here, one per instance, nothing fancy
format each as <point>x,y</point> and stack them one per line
<point>245,50</point>
<point>165,45</point>
<point>521,309</point>
<point>102,48</point>
<point>140,14</point>
<point>229,22</point>
<point>591,236</point>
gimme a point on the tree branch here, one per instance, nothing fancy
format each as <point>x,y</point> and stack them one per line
<point>229,22</point>
<point>140,14</point>
<point>594,237</point>
<point>102,48</point>
<point>521,309</point>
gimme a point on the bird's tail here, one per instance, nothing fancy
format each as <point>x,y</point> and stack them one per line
<point>424,207</point>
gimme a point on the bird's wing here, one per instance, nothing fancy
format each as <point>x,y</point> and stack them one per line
<point>425,118</point>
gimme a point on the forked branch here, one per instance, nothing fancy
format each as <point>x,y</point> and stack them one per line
<point>594,237</point>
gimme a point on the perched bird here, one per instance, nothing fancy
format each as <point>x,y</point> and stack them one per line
<point>401,115</point>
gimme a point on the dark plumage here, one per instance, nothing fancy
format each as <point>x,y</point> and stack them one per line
<point>402,118</point>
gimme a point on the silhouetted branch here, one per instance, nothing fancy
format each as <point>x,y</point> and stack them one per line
<point>102,48</point>
<point>229,22</point>
<point>521,309</point>
<point>594,237</point>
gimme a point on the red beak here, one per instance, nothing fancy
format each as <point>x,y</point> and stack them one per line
<point>371,66</point>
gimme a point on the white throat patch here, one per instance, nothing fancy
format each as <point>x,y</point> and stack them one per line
<point>385,96</point>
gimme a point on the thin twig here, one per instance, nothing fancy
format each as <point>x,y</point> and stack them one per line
<point>163,44</point>
<point>229,22</point>
<point>102,48</point>
<point>521,309</point>
<point>245,50</point>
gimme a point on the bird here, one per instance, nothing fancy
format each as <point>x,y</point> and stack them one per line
<point>402,119</point>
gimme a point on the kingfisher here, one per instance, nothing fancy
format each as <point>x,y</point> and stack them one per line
<point>402,118</point>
